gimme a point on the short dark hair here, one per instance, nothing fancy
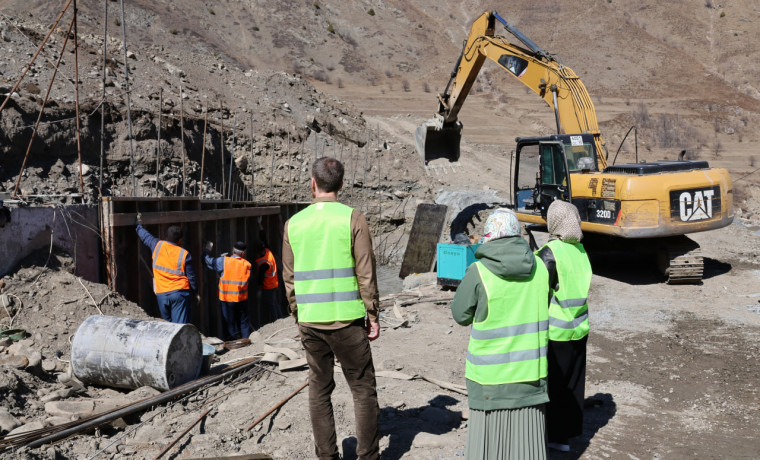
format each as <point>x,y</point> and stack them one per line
<point>328,173</point>
<point>174,234</point>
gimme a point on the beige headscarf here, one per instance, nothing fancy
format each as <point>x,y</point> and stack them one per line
<point>564,222</point>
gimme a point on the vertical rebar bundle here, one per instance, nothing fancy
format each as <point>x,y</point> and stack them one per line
<point>158,146</point>
<point>203,153</point>
<point>253,186</point>
<point>129,103</point>
<point>221,118</point>
<point>102,102</point>
<point>182,138</point>
<point>232,156</point>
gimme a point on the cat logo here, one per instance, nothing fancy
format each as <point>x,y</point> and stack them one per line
<point>696,205</point>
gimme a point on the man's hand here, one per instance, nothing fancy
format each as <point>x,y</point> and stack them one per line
<point>373,330</point>
<point>139,218</point>
<point>197,299</point>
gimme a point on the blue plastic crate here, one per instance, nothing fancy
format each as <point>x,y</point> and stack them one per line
<point>453,260</point>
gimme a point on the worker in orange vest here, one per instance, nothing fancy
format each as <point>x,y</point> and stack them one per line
<point>174,280</point>
<point>233,289</point>
<point>267,283</point>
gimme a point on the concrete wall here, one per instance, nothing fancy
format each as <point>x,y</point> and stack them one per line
<point>74,229</point>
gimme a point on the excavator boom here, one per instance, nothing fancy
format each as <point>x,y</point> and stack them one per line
<point>556,84</point>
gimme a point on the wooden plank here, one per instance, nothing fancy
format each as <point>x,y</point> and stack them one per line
<point>176,217</point>
<point>292,364</point>
<point>426,233</point>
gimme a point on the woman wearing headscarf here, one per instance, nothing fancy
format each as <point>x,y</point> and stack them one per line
<point>504,295</point>
<point>569,280</point>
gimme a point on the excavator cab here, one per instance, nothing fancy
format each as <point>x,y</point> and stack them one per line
<point>542,172</point>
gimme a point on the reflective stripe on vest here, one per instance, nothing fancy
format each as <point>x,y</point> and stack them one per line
<point>233,285</point>
<point>510,345</point>
<point>169,268</point>
<point>568,310</point>
<point>325,281</point>
<point>270,276</point>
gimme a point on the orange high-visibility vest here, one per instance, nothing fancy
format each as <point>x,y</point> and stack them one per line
<point>169,268</point>
<point>270,276</point>
<point>233,285</point>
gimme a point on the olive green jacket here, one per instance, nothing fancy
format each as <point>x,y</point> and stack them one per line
<point>509,258</point>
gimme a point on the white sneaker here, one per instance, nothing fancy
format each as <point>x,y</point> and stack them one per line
<point>558,446</point>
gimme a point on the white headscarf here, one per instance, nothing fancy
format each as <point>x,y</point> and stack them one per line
<point>500,224</point>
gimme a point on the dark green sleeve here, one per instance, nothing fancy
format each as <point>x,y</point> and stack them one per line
<point>465,300</point>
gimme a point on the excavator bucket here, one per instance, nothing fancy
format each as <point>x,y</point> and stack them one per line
<point>434,140</point>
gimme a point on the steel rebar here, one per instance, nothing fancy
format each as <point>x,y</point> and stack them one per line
<point>39,49</point>
<point>253,187</point>
<point>276,406</point>
<point>42,109</point>
<point>271,171</point>
<point>158,147</point>
<point>353,180</point>
<point>129,102</point>
<point>203,153</point>
<point>182,138</point>
<point>76,97</point>
<point>71,428</point>
<point>181,435</point>
<point>300,167</point>
<point>290,173</point>
<point>102,103</point>
<point>221,132</point>
<point>232,155</point>
<point>364,181</point>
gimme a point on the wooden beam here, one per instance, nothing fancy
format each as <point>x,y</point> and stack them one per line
<point>176,217</point>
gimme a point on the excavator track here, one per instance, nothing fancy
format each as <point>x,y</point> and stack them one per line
<point>681,261</point>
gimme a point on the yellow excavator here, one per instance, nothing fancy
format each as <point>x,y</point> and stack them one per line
<point>641,206</point>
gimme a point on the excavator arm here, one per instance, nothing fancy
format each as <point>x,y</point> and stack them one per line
<point>556,84</point>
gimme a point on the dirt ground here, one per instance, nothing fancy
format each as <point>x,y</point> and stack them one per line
<point>671,371</point>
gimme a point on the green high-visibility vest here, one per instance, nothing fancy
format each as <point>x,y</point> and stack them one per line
<point>568,309</point>
<point>510,345</point>
<point>324,268</point>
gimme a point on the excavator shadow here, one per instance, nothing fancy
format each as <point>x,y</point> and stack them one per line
<point>627,267</point>
<point>642,269</point>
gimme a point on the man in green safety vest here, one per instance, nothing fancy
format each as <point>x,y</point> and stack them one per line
<point>505,295</point>
<point>569,280</point>
<point>331,283</point>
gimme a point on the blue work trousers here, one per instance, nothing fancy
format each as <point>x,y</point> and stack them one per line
<point>175,306</point>
<point>236,325</point>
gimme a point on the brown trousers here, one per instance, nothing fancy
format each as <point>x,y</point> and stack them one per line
<point>351,347</point>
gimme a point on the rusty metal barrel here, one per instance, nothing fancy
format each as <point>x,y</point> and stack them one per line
<point>129,353</point>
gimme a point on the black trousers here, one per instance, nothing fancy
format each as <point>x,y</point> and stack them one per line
<point>566,381</point>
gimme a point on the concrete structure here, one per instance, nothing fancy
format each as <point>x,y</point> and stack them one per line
<point>74,229</point>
